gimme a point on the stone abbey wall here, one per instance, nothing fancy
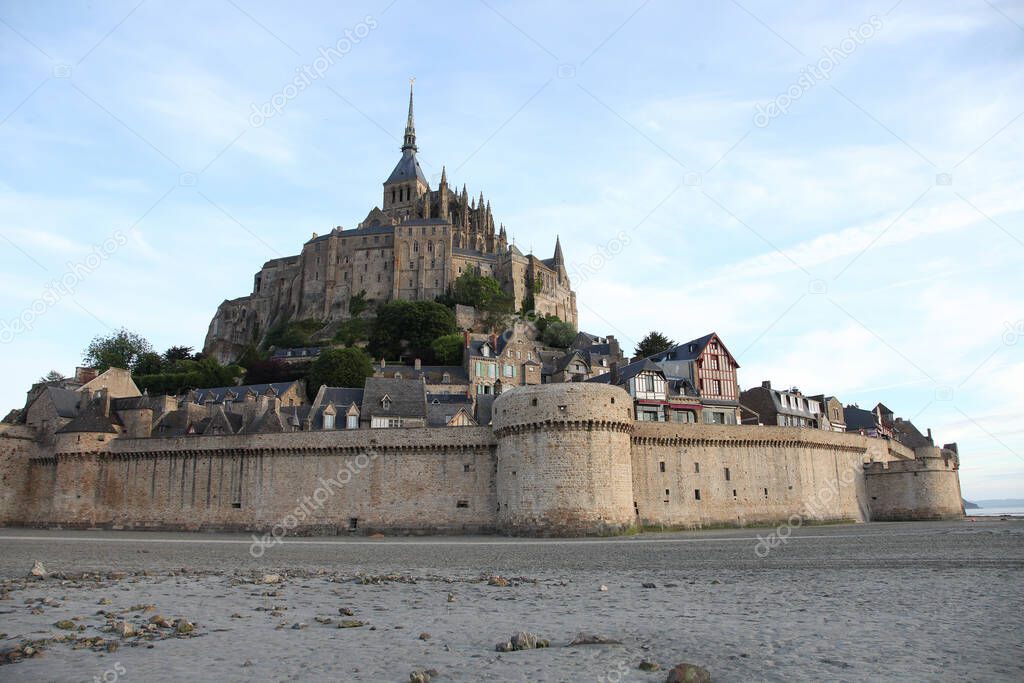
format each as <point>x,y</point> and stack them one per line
<point>439,480</point>
<point>561,459</point>
<point>710,475</point>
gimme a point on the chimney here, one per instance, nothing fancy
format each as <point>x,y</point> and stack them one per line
<point>767,384</point>
<point>494,343</point>
<point>614,372</point>
<point>465,337</point>
<point>417,365</point>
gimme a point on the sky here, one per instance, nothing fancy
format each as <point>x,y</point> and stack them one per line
<point>834,188</point>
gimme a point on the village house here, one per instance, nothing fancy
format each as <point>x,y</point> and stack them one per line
<point>783,408</point>
<point>710,368</point>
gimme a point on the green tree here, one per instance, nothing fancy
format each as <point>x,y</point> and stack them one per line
<point>293,334</point>
<point>352,331</point>
<point>558,334</point>
<point>340,368</point>
<point>121,349</point>
<point>410,326</point>
<point>448,349</point>
<point>357,304</point>
<point>176,353</point>
<point>52,376</point>
<point>149,363</point>
<point>654,342</point>
<point>473,289</point>
<point>190,374</point>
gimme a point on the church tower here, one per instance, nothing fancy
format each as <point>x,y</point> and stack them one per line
<point>406,184</point>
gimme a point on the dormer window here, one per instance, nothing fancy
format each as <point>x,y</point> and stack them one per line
<point>485,351</point>
<point>446,378</point>
<point>328,421</point>
<point>398,375</point>
<point>385,403</point>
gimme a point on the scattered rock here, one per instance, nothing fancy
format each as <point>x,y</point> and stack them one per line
<point>419,677</point>
<point>323,620</point>
<point>183,626</point>
<point>593,639</point>
<point>346,612</point>
<point>271,578</point>
<point>688,673</point>
<point>104,601</point>
<point>521,641</point>
<point>50,602</point>
<point>649,666</point>
<point>603,588</point>
<point>424,636</point>
<point>125,629</point>
<point>299,625</point>
<point>112,645</point>
<point>66,624</point>
<point>715,582</point>
<point>350,623</point>
<point>649,585</point>
<point>451,597</point>
<point>499,581</point>
<point>38,570</point>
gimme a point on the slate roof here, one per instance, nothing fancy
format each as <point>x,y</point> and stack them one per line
<point>219,393</point>
<point>690,350</point>
<point>65,401</point>
<point>628,372</point>
<point>858,418</point>
<point>91,420</point>
<point>909,435</point>
<point>407,168</point>
<point>408,398</point>
<point>439,414</point>
<point>434,374</point>
<point>341,398</point>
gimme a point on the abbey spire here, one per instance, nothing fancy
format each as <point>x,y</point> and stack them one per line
<point>407,184</point>
<point>409,143</point>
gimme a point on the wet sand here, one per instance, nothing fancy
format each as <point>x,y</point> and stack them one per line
<point>915,601</point>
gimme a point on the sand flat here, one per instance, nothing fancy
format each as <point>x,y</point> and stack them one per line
<point>914,601</point>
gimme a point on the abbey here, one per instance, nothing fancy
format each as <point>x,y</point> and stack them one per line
<point>412,246</point>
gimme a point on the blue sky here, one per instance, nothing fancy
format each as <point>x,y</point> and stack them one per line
<point>857,232</point>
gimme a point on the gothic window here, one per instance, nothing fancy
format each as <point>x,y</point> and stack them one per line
<point>430,247</point>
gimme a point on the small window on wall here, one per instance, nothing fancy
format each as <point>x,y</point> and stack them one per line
<point>353,523</point>
<point>766,493</point>
<point>728,474</point>
<point>696,468</point>
<point>462,504</point>
<point>696,494</point>
<point>661,466</point>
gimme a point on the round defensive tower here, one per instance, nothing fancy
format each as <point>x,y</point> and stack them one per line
<point>926,487</point>
<point>563,458</point>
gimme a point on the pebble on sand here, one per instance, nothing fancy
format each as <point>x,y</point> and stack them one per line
<point>38,569</point>
<point>688,673</point>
